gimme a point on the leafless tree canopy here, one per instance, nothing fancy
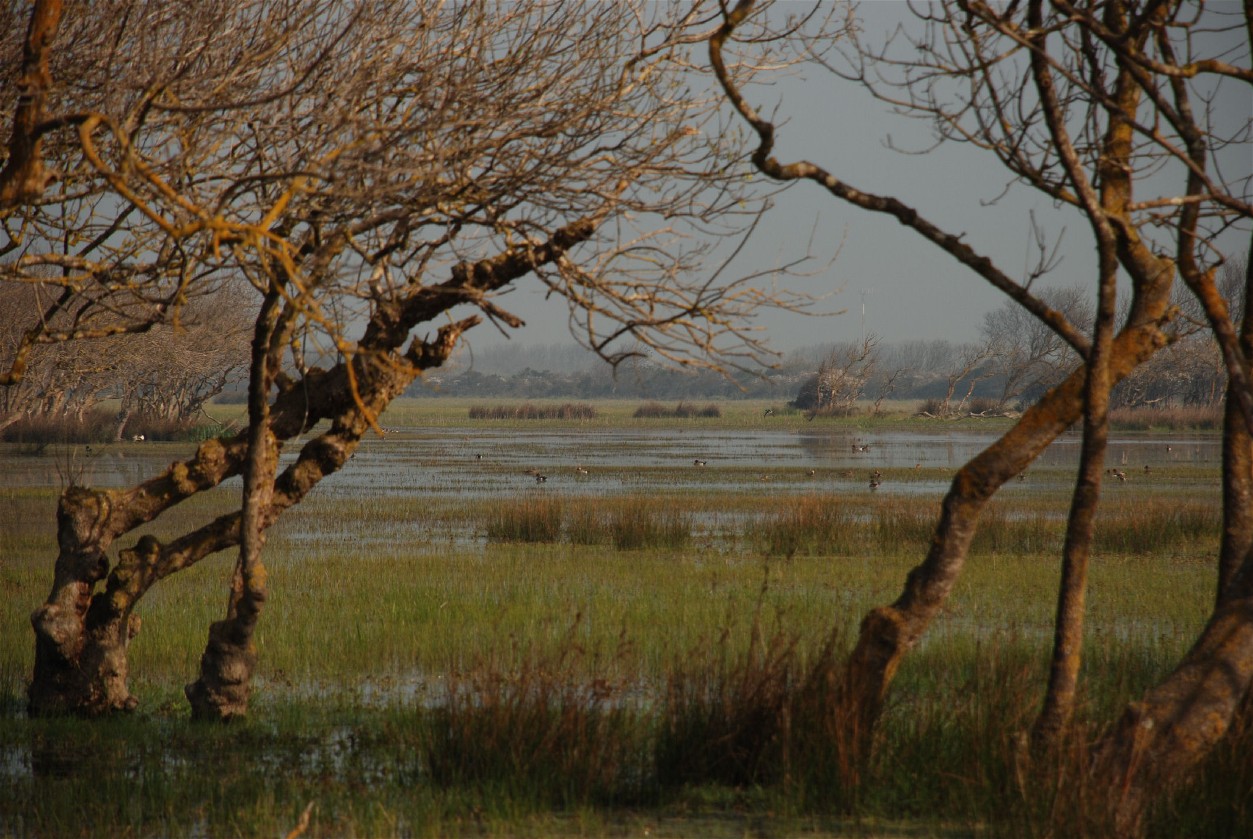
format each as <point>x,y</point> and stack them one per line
<point>1109,108</point>
<point>367,167</point>
<point>363,150</point>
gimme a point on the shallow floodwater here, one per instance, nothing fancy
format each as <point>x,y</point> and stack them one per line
<point>482,461</point>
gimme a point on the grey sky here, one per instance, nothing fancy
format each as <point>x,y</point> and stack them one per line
<point>909,288</point>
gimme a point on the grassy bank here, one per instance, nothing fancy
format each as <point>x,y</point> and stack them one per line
<point>485,690</point>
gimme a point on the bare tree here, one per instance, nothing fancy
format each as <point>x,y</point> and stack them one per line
<point>966,363</point>
<point>1089,104</point>
<point>366,167</point>
<point>164,375</point>
<point>841,379</point>
<point>1029,356</point>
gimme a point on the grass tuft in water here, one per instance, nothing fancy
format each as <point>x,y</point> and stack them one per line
<point>813,525</point>
<point>529,520</point>
<point>539,729</point>
<point>639,523</point>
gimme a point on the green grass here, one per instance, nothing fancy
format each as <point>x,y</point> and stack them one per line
<point>605,664</point>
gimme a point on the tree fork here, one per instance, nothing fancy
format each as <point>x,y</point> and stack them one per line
<point>888,632</point>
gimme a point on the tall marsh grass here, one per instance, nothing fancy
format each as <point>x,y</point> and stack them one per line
<point>835,525</point>
<point>528,520</point>
<point>639,523</point>
<point>549,727</point>
<point>628,524</point>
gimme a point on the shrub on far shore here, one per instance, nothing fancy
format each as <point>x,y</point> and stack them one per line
<point>683,410</point>
<point>44,430</point>
<point>97,426</point>
<point>527,411</point>
<point>977,407</point>
<point>1181,417</point>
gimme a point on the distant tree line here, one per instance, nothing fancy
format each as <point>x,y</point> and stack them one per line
<point>161,376</point>
<point>168,373</point>
<point>1015,360</point>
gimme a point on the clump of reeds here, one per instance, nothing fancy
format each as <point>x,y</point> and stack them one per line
<point>527,411</point>
<point>639,523</point>
<point>586,524</point>
<point>897,525</point>
<point>722,720</point>
<point>812,525</point>
<point>539,729</point>
<point>1156,525</point>
<point>528,520</point>
<point>1003,531</point>
<point>683,410</point>
<point>629,524</point>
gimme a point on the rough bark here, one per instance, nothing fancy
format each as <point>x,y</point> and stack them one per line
<point>1237,538</point>
<point>81,636</point>
<point>225,683</point>
<point>1162,738</point>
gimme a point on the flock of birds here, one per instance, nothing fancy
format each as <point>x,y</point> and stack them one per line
<point>876,476</point>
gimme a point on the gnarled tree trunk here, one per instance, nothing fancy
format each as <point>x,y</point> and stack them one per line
<point>81,634</point>
<point>889,632</point>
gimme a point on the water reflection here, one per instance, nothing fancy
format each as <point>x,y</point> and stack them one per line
<point>481,461</point>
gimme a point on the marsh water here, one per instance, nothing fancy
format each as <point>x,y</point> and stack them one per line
<point>459,464</point>
<point>486,461</point>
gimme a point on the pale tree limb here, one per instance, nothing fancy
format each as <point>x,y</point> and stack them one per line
<point>1063,681</point>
